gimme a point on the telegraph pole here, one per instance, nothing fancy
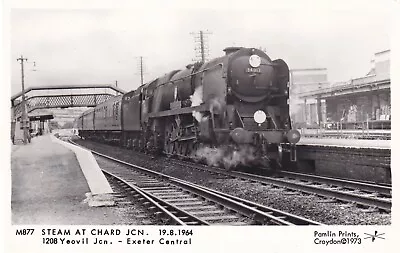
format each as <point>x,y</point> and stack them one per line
<point>24,111</point>
<point>141,69</point>
<point>201,40</point>
<point>203,58</point>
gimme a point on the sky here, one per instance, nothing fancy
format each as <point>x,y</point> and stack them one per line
<point>102,45</point>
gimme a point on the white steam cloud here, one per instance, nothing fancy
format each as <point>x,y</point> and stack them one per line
<point>226,156</point>
<point>216,104</point>
<point>197,99</point>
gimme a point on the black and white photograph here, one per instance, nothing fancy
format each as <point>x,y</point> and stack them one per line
<point>130,121</point>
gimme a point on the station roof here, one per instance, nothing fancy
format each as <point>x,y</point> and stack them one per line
<point>37,115</point>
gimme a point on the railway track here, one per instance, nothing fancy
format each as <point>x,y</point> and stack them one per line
<point>384,190</point>
<point>360,193</point>
<point>185,203</point>
<point>373,196</point>
<point>380,190</point>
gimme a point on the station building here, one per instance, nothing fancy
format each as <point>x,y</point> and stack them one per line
<point>304,81</point>
<point>358,102</point>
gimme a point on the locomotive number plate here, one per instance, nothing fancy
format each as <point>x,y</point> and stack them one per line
<point>253,70</point>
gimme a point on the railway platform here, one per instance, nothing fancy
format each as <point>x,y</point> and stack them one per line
<point>351,143</point>
<point>49,187</point>
<point>366,160</point>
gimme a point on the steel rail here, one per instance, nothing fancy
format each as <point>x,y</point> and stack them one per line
<point>387,190</point>
<point>310,189</point>
<point>241,208</point>
<point>293,219</point>
<point>261,214</point>
<point>238,206</point>
<point>153,200</point>
<point>344,196</point>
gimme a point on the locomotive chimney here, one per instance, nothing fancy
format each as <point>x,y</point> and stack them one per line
<point>230,50</point>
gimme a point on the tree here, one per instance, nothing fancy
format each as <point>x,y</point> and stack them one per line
<point>67,125</point>
<point>54,125</point>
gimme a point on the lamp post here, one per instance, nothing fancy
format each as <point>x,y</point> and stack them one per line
<point>24,111</point>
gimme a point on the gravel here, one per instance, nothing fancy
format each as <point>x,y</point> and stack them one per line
<point>309,206</point>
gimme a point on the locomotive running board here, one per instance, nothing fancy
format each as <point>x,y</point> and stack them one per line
<point>187,138</point>
<point>185,110</point>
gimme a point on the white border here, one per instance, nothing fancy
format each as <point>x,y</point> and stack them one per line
<point>242,239</point>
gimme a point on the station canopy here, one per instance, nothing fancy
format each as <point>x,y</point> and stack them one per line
<point>40,115</point>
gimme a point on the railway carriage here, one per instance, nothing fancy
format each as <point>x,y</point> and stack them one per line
<point>86,129</point>
<point>107,120</point>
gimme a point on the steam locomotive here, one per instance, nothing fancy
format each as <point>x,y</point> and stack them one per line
<point>231,110</point>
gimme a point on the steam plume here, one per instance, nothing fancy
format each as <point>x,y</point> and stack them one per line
<point>197,99</point>
<point>227,157</point>
<point>216,104</point>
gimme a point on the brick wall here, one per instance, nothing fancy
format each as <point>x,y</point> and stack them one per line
<point>355,163</point>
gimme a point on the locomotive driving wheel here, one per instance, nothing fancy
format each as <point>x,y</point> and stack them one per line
<point>192,147</point>
<point>197,157</point>
<point>170,145</point>
<point>183,149</point>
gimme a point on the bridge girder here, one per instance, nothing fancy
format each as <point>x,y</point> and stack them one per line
<point>67,87</point>
<point>61,101</point>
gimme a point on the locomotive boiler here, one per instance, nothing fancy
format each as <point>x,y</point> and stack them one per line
<point>231,110</point>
